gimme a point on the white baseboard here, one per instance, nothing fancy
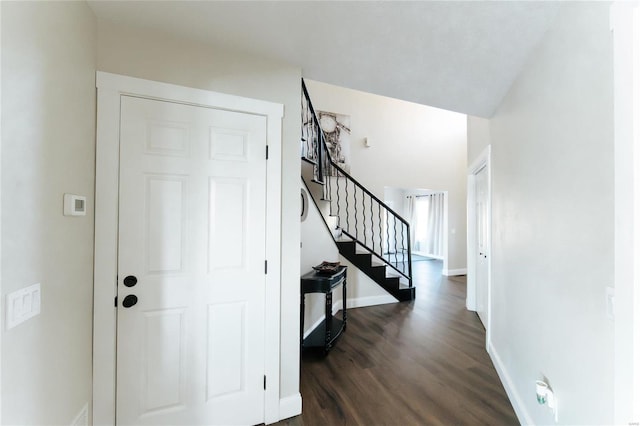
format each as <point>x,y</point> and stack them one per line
<point>290,406</point>
<point>470,306</point>
<point>334,309</point>
<point>523,415</point>
<point>425,254</point>
<point>454,272</point>
<point>362,302</point>
<point>359,302</point>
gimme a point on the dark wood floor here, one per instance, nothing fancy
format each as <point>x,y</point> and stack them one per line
<point>417,363</point>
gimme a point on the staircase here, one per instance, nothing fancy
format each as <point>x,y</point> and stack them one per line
<point>366,231</point>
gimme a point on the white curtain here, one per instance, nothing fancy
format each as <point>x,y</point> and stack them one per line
<point>411,217</point>
<point>429,228</point>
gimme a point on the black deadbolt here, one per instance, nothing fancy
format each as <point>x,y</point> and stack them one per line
<point>130,281</point>
<point>130,300</point>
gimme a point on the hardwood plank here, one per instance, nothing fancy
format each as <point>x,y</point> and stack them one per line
<point>412,363</point>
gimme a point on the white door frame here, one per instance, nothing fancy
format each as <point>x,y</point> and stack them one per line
<point>483,160</point>
<point>1,309</point>
<point>110,88</point>
<point>625,24</point>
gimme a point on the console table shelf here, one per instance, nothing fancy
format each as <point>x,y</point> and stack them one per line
<point>324,336</point>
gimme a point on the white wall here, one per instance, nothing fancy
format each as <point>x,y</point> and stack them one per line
<point>398,197</point>
<point>414,146</point>
<point>48,139</point>
<point>552,157</point>
<point>157,56</point>
<point>478,137</point>
<point>394,198</point>
<point>317,245</point>
<point>625,22</point>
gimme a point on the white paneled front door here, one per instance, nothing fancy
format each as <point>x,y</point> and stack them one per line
<point>191,265</point>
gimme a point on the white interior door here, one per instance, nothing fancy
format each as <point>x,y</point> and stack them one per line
<point>481,252</point>
<point>192,233</point>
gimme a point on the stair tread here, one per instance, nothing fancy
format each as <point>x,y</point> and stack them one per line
<point>306,160</point>
<point>362,253</point>
<point>344,239</point>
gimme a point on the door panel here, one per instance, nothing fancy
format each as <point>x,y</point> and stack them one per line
<point>228,216</point>
<point>164,351</point>
<point>166,223</point>
<point>226,366</point>
<point>192,231</point>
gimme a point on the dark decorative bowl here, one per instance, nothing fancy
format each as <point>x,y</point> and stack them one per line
<point>327,268</point>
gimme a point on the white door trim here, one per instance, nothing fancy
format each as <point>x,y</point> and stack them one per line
<point>110,88</point>
<point>0,222</point>
<point>482,161</point>
<point>625,24</point>
<point>445,242</point>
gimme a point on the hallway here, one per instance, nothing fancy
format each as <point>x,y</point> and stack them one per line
<point>421,362</point>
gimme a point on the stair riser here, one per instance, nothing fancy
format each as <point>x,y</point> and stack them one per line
<point>347,249</point>
<point>406,294</point>
<point>379,272</point>
<point>391,285</point>
<point>363,261</point>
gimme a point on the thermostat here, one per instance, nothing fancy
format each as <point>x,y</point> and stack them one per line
<point>75,205</point>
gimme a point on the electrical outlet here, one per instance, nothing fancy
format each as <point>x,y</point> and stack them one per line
<point>22,305</point>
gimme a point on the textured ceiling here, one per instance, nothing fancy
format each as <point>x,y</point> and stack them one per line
<point>461,56</point>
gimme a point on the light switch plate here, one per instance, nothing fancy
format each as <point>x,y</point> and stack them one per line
<point>75,205</point>
<point>22,305</point>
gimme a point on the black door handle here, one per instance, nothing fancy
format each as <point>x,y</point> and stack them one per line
<point>130,281</point>
<point>130,300</point>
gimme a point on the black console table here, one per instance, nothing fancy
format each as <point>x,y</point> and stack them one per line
<point>325,334</point>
